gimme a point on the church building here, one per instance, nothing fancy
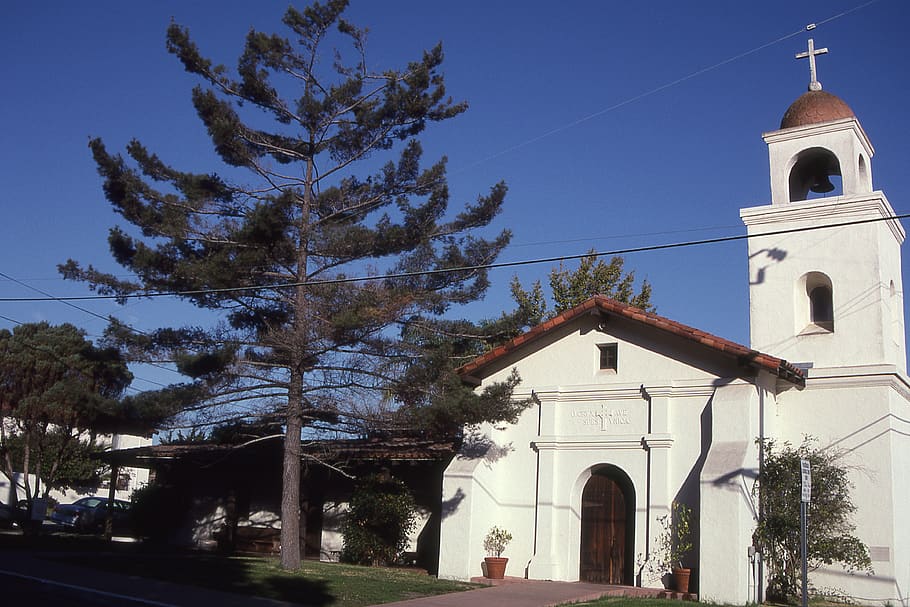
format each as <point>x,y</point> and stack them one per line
<point>633,411</point>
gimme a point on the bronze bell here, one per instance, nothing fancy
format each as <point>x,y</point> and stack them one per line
<point>821,184</point>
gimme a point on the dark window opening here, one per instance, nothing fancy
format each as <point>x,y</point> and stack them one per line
<point>607,356</point>
<point>821,308</point>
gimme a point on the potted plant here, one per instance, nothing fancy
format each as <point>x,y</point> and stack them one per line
<point>674,543</point>
<point>494,543</point>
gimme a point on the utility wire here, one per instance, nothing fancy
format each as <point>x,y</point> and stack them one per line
<point>16,322</point>
<point>55,298</point>
<point>490,266</point>
<point>614,236</point>
<point>91,313</point>
<point>809,27</point>
<point>658,89</point>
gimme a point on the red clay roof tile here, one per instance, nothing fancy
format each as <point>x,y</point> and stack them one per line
<point>746,356</point>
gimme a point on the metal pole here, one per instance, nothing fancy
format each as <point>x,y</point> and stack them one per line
<point>804,549</point>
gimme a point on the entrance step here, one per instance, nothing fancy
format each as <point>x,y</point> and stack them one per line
<point>596,591</point>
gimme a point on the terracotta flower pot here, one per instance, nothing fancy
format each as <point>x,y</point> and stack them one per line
<point>496,567</point>
<point>681,579</point>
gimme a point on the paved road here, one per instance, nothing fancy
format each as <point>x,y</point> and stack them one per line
<point>56,583</point>
<point>28,591</point>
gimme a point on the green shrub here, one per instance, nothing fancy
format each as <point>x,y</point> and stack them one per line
<point>831,536</point>
<point>381,516</point>
<point>158,511</point>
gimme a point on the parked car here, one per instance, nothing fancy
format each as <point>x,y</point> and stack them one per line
<point>11,514</point>
<point>88,514</point>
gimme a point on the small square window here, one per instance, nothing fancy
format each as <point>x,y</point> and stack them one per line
<point>607,357</point>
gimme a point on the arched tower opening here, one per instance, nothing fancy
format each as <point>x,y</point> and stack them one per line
<point>812,173</point>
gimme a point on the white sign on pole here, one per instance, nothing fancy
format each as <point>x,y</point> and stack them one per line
<point>805,470</point>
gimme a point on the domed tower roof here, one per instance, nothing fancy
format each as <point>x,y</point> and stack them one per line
<point>813,107</point>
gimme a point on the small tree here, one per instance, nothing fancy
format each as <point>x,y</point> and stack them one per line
<point>496,541</point>
<point>158,511</point>
<point>675,539</point>
<point>830,538</point>
<point>596,277</point>
<point>381,517</point>
<point>57,391</point>
<point>569,288</point>
<point>67,462</point>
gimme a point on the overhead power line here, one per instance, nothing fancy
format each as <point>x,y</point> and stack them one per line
<point>659,88</point>
<point>16,322</point>
<point>809,27</point>
<point>91,313</point>
<point>490,266</point>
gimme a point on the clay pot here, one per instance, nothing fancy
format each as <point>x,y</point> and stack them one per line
<point>681,579</point>
<point>496,567</point>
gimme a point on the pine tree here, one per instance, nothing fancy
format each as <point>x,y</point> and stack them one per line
<point>276,257</point>
<point>569,288</point>
<point>596,277</point>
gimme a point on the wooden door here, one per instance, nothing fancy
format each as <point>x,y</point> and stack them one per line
<point>603,532</point>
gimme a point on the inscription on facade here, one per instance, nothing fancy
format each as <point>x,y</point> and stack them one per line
<point>603,418</point>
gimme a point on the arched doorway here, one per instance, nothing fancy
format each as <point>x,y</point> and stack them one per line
<point>607,528</point>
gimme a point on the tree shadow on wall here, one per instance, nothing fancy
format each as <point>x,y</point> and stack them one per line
<point>450,506</point>
<point>776,255</point>
<point>476,445</point>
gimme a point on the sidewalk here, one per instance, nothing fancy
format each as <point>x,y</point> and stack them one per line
<point>516,592</point>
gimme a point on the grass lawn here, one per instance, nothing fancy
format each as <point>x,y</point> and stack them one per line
<point>328,584</point>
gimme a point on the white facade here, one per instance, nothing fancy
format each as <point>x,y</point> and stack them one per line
<point>676,415</point>
<point>857,397</point>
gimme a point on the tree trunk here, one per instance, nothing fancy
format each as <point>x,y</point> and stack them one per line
<point>111,494</point>
<point>290,493</point>
<point>26,457</point>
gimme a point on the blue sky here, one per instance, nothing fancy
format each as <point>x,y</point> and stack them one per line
<point>614,124</point>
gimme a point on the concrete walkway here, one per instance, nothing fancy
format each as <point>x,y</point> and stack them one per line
<point>515,592</point>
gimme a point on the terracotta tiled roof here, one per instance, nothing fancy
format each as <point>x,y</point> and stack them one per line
<point>388,449</point>
<point>604,305</point>
<point>815,107</point>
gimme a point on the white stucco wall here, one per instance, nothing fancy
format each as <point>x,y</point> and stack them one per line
<point>863,414</point>
<point>862,262</point>
<point>647,419</point>
<point>729,509</point>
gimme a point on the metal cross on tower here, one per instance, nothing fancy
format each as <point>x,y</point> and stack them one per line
<point>814,84</point>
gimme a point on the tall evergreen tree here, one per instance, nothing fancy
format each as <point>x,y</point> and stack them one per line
<point>276,256</point>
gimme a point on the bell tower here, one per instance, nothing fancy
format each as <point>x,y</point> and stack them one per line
<point>825,284</point>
